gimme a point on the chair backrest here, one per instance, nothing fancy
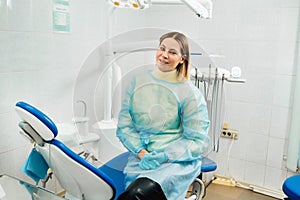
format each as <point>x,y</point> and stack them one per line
<point>80,179</point>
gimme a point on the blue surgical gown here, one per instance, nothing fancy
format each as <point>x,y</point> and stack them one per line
<point>169,117</point>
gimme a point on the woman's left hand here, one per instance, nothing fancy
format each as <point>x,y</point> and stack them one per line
<point>153,160</point>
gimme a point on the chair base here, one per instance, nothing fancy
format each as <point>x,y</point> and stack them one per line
<point>196,191</point>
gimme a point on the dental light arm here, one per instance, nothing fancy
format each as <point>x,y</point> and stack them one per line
<point>202,8</point>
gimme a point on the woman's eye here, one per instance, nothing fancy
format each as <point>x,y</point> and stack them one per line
<point>162,48</point>
<point>173,52</point>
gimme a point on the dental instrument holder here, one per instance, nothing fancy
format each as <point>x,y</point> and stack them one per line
<point>219,76</point>
<point>213,83</point>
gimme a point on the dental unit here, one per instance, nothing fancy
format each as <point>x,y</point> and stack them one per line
<point>80,179</point>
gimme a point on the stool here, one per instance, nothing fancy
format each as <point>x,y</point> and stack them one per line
<point>291,187</point>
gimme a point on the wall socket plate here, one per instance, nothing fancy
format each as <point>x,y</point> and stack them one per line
<point>229,133</point>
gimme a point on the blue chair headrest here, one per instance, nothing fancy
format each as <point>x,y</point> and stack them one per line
<point>40,122</point>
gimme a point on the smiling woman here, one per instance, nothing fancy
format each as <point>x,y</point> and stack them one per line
<point>163,122</point>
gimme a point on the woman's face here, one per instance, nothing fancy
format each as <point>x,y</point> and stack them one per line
<point>168,55</point>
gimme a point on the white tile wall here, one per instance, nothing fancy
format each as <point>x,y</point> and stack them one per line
<point>256,148</point>
<point>237,169</point>
<point>40,66</point>
<point>255,173</point>
<point>274,178</point>
<point>283,87</point>
<point>286,55</point>
<point>280,119</point>
<point>275,152</point>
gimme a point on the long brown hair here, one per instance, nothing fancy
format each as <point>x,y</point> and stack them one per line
<point>182,68</point>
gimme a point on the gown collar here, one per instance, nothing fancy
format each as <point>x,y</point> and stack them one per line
<point>167,76</point>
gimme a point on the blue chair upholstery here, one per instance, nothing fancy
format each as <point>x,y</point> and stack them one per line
<point>291,187</point>
<point>114,168</point>
<point>208,165</point>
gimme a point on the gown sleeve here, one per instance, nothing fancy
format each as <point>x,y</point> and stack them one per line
<point>195,125</point>
<point>126,130</point>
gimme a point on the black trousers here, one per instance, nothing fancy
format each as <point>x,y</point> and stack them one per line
<point>143,189</point>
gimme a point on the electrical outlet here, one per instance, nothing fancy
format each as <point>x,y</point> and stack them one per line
<point>230,133</point>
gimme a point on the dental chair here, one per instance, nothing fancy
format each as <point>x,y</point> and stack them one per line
<point>80,179</point>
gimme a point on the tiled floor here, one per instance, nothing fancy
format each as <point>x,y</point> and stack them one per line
<point>221,192</point>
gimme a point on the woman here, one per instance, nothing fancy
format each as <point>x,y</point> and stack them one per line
<point>163,122</point>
